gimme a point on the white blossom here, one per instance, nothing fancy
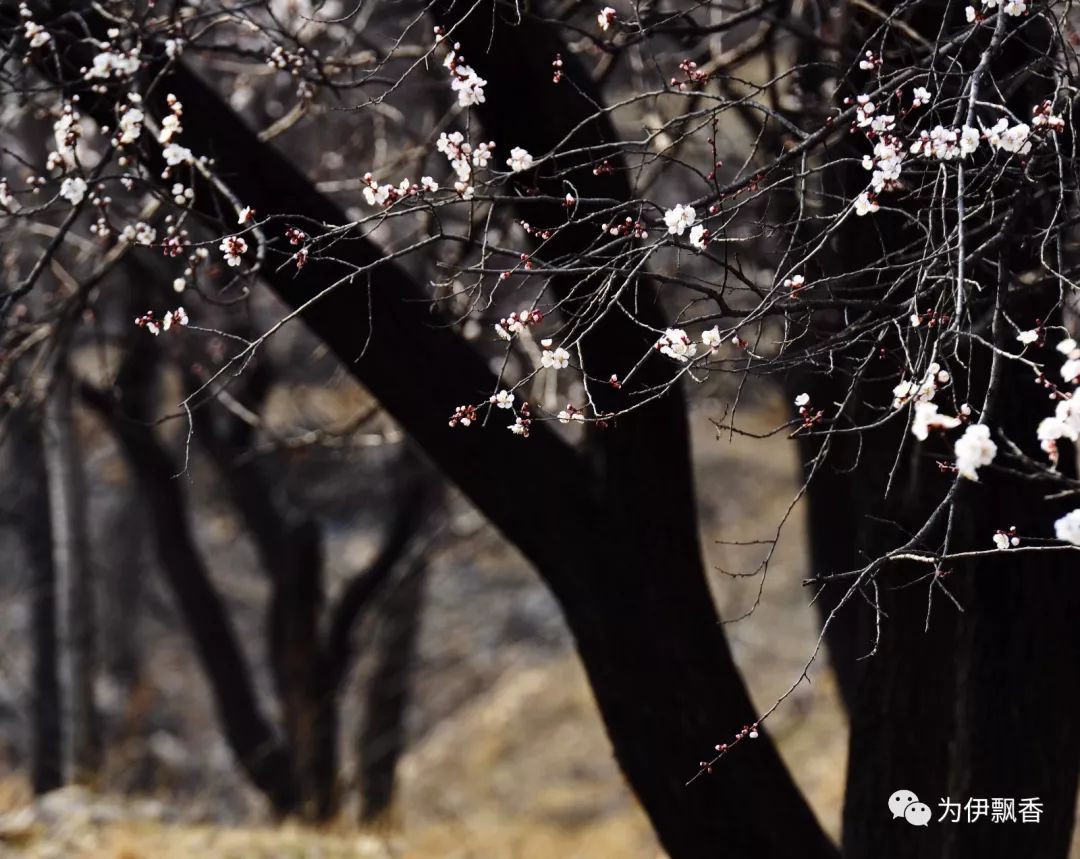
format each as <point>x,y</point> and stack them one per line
<point>969,140</point>
<point>1028,337</point>
<point>555,360</point>
<point>234,247</point>
<point>973,450</point>
<point>1067,528</point>
<point>469,86</point>
<point>139,234</point>
<point>170,126</point>
<point>108,64</point>
<point>920,96</point>
<point>131,121</point>
<point>864,205</point>
<point>519,160</point>
<point>699,237</point>
<point>73,189</point>
<point>802,399</point>
<point>504,399</point>
<point>926,417</point>
<point>175,154</point>
<point>1070,370</point>
<point>174,317</point>
<point>710,338</point>
<point>676,344</point>
<point>35,34</point>
<point>605,18</point>
<point>679,219</point>
<point>1015,138</point>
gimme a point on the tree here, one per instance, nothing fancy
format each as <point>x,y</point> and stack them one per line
<point>873,204</point>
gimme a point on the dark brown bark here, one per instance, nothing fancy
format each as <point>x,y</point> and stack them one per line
<point>638,602</point>
<point>27,462</point>
<point>309,669</point>
<point>381,741</point>
<point>952,710</point>
<point>250,735</point>
<point>77,609</point>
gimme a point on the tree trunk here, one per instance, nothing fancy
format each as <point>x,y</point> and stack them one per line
<point>27,463</point>
<point>77,609</point>
<point>980,703</point>
<point>382,737</point>
<point>248,732</point>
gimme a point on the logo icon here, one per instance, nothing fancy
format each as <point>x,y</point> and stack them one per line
<point>905,804</point>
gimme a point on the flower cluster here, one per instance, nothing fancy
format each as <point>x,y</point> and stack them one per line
<point>517,322</point>
<point>522,422</point>
<point>554,359</point>
<point>946,144</point>
<point>676,344</point>
<point>35,34</point>
<point>693,75</point>
<point>867,117</point>
<point>1065,422</point>
<point>1010,138</point>
<point>1043,117</point>
<point>629,227</point>
<point>519,160</point>
<point>926,418</point>
<point>885,163</point>
<point>386,195</point>
<point>1006,539</point>
<point>139,233</point>
<point>465,159</point>
<point>923,390</point>
<point>571,413</point>
<point>131,122</point>
<point>468,85</point>
<point>464,416</point>
<point>109,64</point>
<point>155,326</point>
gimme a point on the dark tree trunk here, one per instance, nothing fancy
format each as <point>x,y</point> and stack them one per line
<point>638,603</point>
<point>75,589</point>
<point>27,463</point>
<point>382,737</point>
<point>248,732</point>
<point>971,703</point>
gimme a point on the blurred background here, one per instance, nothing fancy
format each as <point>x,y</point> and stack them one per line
<point>466,727</point>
